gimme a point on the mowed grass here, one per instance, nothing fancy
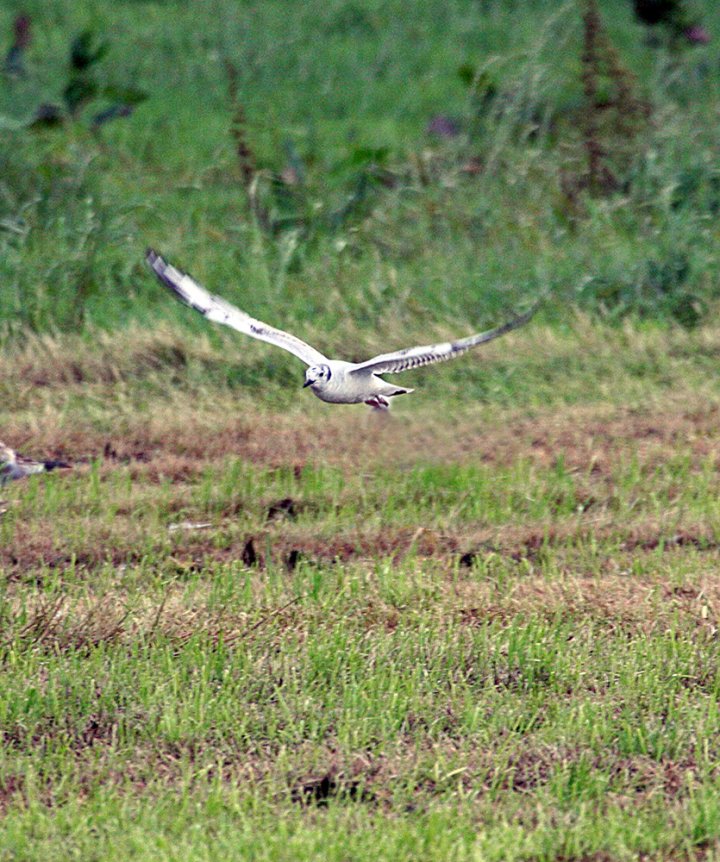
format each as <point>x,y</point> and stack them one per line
<point>235,631</point>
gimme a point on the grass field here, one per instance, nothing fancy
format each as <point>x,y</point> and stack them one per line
<point>250,625</point>
<point>475,630</point>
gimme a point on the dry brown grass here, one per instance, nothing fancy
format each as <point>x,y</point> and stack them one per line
<point>179,437</point>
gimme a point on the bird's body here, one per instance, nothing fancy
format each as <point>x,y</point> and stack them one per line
<point>331,380</point>
<point>14,466</point>
<point>339,382</point>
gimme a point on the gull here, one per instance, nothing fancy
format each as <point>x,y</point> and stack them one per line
<point>332,380</point>
<point>14,466</point>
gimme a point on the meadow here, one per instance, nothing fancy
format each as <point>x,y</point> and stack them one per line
<point>250,625</point>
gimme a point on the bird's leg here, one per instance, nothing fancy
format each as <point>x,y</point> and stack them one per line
<point>377,402</point>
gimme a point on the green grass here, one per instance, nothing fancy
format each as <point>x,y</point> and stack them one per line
<point>248,625</point>
<point>326,88</point>
<point>171,702</point>
<point>485,635</point>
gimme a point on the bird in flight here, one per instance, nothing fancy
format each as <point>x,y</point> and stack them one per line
<point>332,380</point>
<point>14,466</point>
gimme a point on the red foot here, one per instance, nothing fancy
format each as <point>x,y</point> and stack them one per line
<point>377,402</point>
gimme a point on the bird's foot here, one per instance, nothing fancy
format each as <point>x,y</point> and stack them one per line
<point>377,402</point>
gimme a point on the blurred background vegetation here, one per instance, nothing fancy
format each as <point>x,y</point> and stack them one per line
<point>327,162</point>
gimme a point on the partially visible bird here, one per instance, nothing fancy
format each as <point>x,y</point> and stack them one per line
<point>14,466</point>
<point>332,380</point>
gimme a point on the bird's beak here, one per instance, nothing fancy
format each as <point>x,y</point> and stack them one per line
<point>308,383</point>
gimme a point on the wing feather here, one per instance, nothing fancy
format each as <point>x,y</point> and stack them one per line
<point>218,310</point>
<point>14,466</point>
<point>414,357</point>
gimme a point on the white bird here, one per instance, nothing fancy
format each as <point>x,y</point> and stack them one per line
<point>14,466</point>
<point>331,380</point>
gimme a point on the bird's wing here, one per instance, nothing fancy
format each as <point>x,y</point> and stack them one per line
<point>218,310</point>
<point>414,357</point>
<point>27,467</point>
<point>14,466</point>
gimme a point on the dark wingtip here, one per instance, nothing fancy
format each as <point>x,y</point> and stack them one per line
<point>56,465</point>
<point>540,301</point>
<point>515,322</point>
<point>170,277</point>
<point>530,313</point>
<point>526,316</point>
<point>159,266</point>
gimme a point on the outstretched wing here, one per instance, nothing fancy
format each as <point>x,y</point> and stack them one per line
<point>14,466</point>
<point>414,357</point>
<point>218,310</point>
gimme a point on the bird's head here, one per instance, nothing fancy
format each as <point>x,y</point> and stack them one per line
<point>317,376</point>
